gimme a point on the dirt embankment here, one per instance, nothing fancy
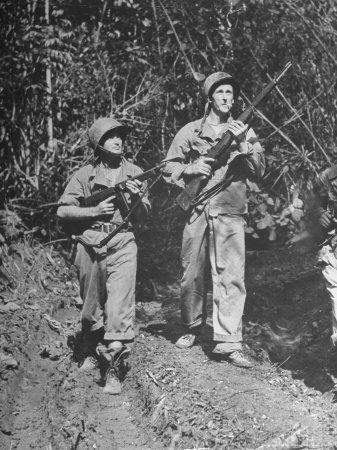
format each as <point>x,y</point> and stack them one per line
<point>172,399</point>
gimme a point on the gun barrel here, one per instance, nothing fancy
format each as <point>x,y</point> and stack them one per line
<point>99,196</point>
<point>283,71</point>
<point>144,175</point>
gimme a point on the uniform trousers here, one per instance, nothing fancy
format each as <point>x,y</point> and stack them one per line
<point>107,279</point>
<point>219,241</point>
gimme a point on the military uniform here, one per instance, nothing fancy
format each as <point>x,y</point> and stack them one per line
<point>107,275</point>
<point>214,232</point>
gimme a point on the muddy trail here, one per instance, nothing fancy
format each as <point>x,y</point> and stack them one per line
<point>171,399</point>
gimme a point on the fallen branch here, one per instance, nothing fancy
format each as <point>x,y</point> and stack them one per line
<point>236,436</point>
<point>284,442</point>
<point>287,359</point>
<point>157,410</point>
<point>79,436</point>
<point>55,241</point>
<point>150,375</point>
<point>247,391</point>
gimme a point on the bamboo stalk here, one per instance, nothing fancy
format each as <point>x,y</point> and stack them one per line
<point>49,89</point>
<point>312,32</point>
<point>296,113</point>
<point>100,23</point>
<point>106,78</point>
<point>283,135</point>
<point>197,76</point>
<point>164,122</point>
<point>157,33</point>
<point>279,131</point>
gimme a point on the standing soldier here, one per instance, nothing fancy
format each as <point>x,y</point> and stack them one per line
<point>215,228</point>
<point>107,275</point>
<point>326,193</point>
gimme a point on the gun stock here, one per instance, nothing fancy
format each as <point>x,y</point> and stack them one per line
<point>221,151</point>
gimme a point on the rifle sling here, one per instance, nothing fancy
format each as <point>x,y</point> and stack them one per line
<point>212,191</point>
<point>122,225</point>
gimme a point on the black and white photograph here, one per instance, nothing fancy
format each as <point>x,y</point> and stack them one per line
<point>168,225</point>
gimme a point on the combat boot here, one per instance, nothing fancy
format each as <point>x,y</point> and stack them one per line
<point>112,360</point>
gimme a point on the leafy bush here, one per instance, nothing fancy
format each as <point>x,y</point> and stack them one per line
<point>145,63</point>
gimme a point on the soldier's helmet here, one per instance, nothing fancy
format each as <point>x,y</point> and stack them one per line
<point>102,127</point>
<point>328,180</point>
<point>216,79</point>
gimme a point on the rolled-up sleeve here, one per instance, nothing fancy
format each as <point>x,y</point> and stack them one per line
<point>177,158</point>
<point>255,161</point>
<point>73,192</point>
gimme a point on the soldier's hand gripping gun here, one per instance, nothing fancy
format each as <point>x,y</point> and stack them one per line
<point>127,211</point>
<point>119,188</point>
<point>221,151</point>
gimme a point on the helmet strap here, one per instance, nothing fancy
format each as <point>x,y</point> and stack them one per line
<point>111,159</point>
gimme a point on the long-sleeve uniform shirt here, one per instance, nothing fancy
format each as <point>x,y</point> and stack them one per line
<point>215,231</point>
<point>188,146</point>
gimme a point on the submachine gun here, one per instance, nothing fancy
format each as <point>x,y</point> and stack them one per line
<point>190,197</point>
<point>118,191</point>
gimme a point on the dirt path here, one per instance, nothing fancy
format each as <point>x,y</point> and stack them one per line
<point>208,404</point>
<point>286,401</point>
<point>62,410</point>
<point>172,399</point>
<point>49,404</point>
<point>46,403</point>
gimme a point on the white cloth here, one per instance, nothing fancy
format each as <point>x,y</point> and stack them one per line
<point>327,258</point>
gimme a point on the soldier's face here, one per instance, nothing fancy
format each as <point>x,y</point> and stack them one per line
<point>114,144</point>
<point>223,98</point>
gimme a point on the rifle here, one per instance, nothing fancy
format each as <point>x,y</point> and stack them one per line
<point>97,197</point>
<point>221,151</point>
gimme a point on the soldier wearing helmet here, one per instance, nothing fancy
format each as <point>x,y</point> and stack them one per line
<point>214,232</point>
<point>107,275</point>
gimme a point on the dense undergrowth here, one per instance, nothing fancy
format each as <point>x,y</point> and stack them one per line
<point>66,64</point>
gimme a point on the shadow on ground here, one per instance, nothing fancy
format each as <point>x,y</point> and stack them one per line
<point>287,317</point>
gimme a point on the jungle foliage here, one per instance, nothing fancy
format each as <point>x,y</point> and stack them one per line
<point>145,62</point>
